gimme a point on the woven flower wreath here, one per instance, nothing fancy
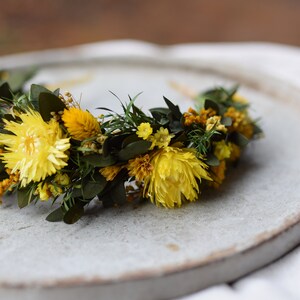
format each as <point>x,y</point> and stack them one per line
<point>51,149</point>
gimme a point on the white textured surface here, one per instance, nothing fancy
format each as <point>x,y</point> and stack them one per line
<point>258,198</point>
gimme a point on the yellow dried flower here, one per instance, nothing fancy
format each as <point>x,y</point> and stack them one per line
<point>6,184</point>
<point>235,152</point>
<point>62,179</point>
<point>140,167</point>
<point>80,124</point>
<point>46,190</point>
<point>35,148</point>
<point>215,122</point>
<point>144,130</point>
<point>218,174</point>
<point>175,176</point>
<point>111,172</point>
<point>238,98</point>
<point>222,150</point>
<point>161,138</point>
<point>240,122</point>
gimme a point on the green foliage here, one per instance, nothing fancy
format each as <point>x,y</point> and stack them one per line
<point>49,103</point>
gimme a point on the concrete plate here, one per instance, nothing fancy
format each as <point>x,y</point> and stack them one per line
<point>150,252</point>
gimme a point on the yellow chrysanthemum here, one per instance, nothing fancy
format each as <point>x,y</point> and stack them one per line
<point>80,124</point>
<point>161,138</point>
<point>175,176</point>
<point>35,148</point>
<point>144,130</point>
<point>222,150</point>
<point>140,167</point>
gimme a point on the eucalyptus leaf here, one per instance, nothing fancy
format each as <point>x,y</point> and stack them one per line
<point>74,213</point>
<point>5,91</point>
<point>239,139</point>
<point>24,196</point>
<point>134,149</point>
<point>90,187</point>
<point>226,121</point>
<point>49,103</point>
<point>56,216</point>
<point>18,78</point>
<point>35,91</point>
<point>212,104</point>
<point>212,160</point>
<point>173,108</point>
<point>98,160</point>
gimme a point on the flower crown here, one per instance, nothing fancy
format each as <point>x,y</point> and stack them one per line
<point>50,148</point>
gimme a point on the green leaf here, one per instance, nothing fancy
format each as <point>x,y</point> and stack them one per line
<point>118,193</point>
<point>174,109</point>
<point>24,196</point>
<point>90,187</point>
<point>35,91</point>
<point>5,91</point>
<point>97,160</point>
<point>49,103</point>
<point>212,104</point>
<point>212,160</point>
<point>18,78</point>
<point>226,121</point>
<point>134,149</point>
<point>74,213</point>
<point>256,129</point>
<point>56,216</point>
<point>130,139</point>
<point>239,139</point>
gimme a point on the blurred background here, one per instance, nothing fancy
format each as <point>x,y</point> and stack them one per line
<point>27,25</point>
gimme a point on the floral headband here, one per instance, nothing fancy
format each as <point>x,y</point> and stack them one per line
<point>51,149</point>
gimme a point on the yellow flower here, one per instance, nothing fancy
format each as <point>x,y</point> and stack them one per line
<point>161,138</point>
<point>235,152</point>
<point>35,148</point>
<point>218,174</point>
<point>144,131</point>
<point>111,172</point>
<point>175,177</point>
<point>240,122</point>
<point>47,190</point>
<point>6,183</point>
<point>62,179</point>
<point>140,167</point>
<point>238,98</point>
<point>222,150</point>
<point>80,124</point>
<point>215,122</point>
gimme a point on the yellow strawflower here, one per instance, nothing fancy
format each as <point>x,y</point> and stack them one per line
<point>175,176</point>
<point>35,149</point>
<point>144,130</point>
<point>140,167</point>
<point>80,124</point>
<point>222,150</point>
<point>110,172</point>
<point>161,138</point>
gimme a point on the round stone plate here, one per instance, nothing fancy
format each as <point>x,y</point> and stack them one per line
<point>147,252</point>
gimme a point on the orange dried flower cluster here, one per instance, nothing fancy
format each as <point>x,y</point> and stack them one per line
<point>8,182</point>
<point>192,116</point>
